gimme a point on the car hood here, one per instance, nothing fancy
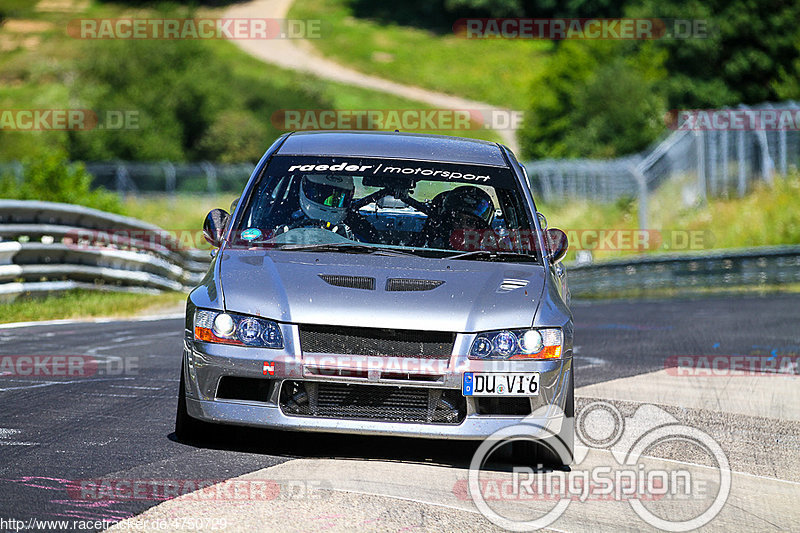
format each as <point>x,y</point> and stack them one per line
<point>290,287</point>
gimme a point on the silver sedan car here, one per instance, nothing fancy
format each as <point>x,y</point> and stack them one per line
<point>384,284</point>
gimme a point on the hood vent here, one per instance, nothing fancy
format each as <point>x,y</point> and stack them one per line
<point>408,285</point>
<point>351,282</point>
<point>509,284</point>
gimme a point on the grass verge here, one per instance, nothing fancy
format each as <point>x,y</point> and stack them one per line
<point>87,304</point>
<point>495,71</point>
<point>768,216</point>
<point>176,212</point>
<point>42,67</point>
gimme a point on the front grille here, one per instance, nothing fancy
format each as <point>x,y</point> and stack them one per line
<point>351,282</point>
<point>409,285</point>
<point>372,402</point>
<point>376,342</point>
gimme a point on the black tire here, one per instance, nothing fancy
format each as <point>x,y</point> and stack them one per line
<point>187,429</point>
<point>544,453</point>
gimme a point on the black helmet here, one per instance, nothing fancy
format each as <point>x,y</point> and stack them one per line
<point>469,200</point>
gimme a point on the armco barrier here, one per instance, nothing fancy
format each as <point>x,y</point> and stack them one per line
<point>52,247</point>
<point>774,265</point>
<point>44,262</point>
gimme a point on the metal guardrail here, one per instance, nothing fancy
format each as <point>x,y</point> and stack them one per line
<point>773,265</point>
<point>51,247</point>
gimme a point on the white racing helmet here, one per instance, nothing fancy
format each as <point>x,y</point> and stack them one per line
<point>326,198</point>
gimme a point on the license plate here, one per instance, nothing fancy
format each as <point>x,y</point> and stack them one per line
<point>500,384</point>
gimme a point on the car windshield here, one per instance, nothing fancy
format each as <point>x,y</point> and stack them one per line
<point>368,205</point>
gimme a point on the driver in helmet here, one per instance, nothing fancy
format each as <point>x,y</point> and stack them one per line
<point>464,209</point>
<point>324,203</point>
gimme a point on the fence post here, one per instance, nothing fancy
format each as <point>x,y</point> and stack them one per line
<point>767,166</point>
<point>782,151</point>
<point>211,176</point>
<point>742,163</point>
<point>711,177</point>
<point>724,161</point>
<point>169,175</point>
<point>120,178</point>
<point>642,181</point>
<point>701,164</point>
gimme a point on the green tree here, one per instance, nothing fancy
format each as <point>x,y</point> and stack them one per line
<point>594,100</point>
<point>52,178</point>
<point>741,58</point>
<point>234,137</point>
<point>172,87</point>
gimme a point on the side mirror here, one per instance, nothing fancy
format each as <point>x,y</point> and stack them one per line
<point>214,226</point>
<point>557,244</point>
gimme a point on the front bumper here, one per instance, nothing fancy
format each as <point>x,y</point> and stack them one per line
<point>206,363</point>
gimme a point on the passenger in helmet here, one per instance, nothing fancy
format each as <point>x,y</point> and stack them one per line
<point>463,209</point>
<point>468,207</point>
<point>324,202</point>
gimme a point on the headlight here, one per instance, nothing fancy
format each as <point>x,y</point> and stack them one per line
<point>232,328</point>
<point>518,344</point>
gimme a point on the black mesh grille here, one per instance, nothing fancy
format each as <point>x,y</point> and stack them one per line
<point>372,402</point>
<point>376,342</point>
<point>352,282</point>
<point>407,285</point>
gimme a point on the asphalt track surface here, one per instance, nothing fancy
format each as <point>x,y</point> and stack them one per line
<point>120,425</point>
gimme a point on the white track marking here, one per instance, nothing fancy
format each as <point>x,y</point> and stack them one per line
<point>8,433</point>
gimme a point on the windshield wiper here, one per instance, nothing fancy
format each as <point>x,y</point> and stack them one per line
<point>345,247</point>
<point>492,255</point>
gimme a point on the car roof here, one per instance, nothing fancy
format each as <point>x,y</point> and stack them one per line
<point>394,145</point>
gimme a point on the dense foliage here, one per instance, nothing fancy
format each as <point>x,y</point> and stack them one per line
<point>600,98</point>
<point>51,178</point>
<point>592,103</point>
<point>190,105</point>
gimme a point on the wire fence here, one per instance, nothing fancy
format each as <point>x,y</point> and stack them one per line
<point>126,177</point>
<point>715,153</point>
<point>167,177</point>
<point>717,158</point>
